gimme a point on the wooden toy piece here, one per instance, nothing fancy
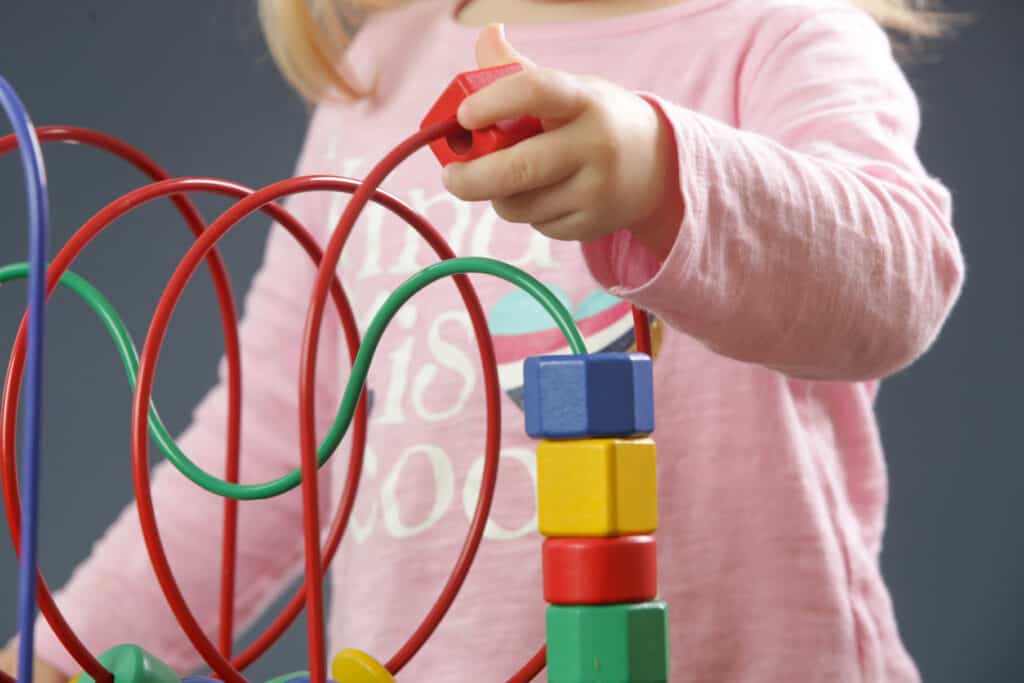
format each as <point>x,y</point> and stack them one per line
<point>77,677</point>
<point>608,643</point>
<point>592,571</point>
<point>354,666</point>
<point>468,145</point>
<point>597,395</point>
<point>132,664</point>
<point>597,487</point>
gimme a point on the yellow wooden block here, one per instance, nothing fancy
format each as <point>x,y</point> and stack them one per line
<point>354,666</point>
<point>597,487</point>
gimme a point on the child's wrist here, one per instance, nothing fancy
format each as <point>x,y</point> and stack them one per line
<point>659,229</point>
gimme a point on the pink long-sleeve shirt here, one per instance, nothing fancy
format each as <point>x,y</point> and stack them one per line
<point>815,257</point>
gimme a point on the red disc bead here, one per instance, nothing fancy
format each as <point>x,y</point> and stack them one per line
<point>593,571</point>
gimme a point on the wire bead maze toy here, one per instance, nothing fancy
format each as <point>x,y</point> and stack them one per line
<point>596,478</point>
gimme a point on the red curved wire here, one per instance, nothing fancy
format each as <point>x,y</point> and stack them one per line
<point>533,667</point>
<point>151,534</point>
<point>229,320</point>
<point>492,448</point>
<point>229,323</point>
<point>159,326</point>
<point>307,436</point>
<point>642,331</point>
<point>59,265</point>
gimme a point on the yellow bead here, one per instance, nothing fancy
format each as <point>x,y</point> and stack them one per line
<point>353,666</point>
<point>597,487</point>
<point>76,678</point>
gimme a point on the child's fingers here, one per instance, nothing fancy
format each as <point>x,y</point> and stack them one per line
<point>538,92</point>
<point>533,163</point>
<point>493,49</point>
<point>565,228</point>
<point>545,204</point>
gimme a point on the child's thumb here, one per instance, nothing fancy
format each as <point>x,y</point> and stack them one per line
<point>493,49</point>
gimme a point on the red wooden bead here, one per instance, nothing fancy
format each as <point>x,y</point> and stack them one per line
<point>468,145</point>
<point>594,571</point>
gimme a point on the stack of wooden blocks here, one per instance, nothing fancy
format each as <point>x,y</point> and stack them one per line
<point>598,508</point>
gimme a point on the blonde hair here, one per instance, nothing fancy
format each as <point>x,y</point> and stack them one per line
<point>308,38</point>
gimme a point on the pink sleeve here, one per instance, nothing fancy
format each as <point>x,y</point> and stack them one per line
<point>813,240</point>
<point>113,595</point>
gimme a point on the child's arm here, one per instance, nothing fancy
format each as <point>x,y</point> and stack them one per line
<point>113,596</point>
<point>813,242</point>
<point>811,239</point>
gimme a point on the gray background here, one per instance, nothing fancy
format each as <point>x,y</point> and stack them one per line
<point>191,84</point>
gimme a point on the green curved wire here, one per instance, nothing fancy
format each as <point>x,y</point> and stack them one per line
<point>130,357</point>
<point>118,332</point>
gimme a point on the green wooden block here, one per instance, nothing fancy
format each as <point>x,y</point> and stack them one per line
<point>608,643</point>
<point>132,664</point>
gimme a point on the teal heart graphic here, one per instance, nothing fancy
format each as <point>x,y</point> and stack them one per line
<point>519,313</point>
<point>595,303</point>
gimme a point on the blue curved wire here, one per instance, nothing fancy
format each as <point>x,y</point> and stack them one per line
<point>38,227</point>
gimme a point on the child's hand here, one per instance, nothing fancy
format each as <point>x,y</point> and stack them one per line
<point>605,160</point>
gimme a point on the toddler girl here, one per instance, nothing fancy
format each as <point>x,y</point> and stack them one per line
<point>745,170</point>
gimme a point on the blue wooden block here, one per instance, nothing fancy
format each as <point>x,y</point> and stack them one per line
<point>592,396</point>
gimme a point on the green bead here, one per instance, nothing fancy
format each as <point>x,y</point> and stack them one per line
<point>608,643</point>
<point>132,664</point>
